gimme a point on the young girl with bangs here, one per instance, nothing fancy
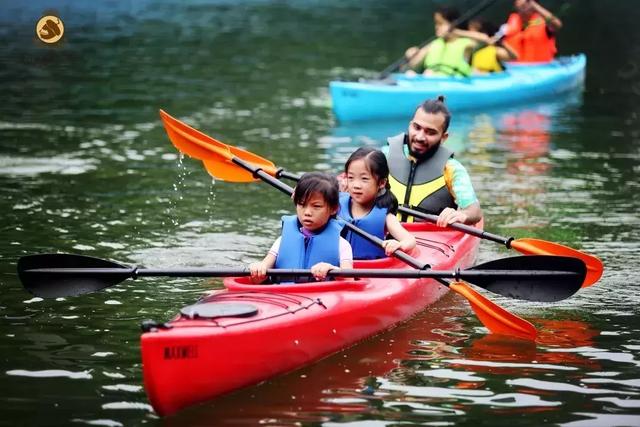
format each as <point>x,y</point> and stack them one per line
<point>370,205</point>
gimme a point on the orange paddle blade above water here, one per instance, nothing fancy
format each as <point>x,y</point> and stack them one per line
<point>495,318</point>
<point>216,156</point>
<point>542,247</point>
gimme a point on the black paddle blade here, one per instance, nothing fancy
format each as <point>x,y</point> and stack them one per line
<point>52,285</point>
<point>539,281</point>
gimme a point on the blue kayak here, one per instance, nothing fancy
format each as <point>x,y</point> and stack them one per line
<point>399,95</point>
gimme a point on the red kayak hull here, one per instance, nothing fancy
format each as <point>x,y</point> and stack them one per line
<point>196,360</point>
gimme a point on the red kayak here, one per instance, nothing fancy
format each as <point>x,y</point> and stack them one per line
<point>246,333</point>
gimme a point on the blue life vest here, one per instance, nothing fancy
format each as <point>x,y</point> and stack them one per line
<point>298,251</point>
<point>372,223</point>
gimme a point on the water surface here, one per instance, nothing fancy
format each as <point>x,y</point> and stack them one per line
<point>85,167</point>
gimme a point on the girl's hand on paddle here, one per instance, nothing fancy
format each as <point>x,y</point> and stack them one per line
<point>321,269</point>
<point>258,272</point>
<point>390,246</point>
<point>449,216</point>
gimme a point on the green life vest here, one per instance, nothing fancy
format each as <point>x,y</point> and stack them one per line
<point>448,58</point>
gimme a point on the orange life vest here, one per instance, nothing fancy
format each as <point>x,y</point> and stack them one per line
<point>531,42</point>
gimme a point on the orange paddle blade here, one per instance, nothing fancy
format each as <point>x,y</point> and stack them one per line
<point>495,318</point>
<point>217,156</point>
<point>542,247</point>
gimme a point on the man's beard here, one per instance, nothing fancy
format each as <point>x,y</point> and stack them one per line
<point>427,154</point>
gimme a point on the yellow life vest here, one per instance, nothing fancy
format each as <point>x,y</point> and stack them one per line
<point>419,185</point>
<point>486,60</point>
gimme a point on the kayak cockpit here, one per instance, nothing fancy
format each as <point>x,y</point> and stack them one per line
<point>434,249</point>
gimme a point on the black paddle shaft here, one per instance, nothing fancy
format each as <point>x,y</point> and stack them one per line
<point>536,277</point>
<point>458,226</point>
<point>458,274</point>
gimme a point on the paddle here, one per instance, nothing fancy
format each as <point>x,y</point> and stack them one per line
<point>216,157</point>
<point>527,246</point>
<point>395,66</point>
<point>61,275</point>
<point>195,143</point>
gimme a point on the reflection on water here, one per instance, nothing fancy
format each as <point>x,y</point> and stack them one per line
<point>521,134</point>
<point>343,386</point>
<point>432,369</point>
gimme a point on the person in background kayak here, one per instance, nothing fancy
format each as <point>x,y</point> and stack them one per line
<point>490,54</point>
<point>370,205</point>
<point>531,32</point>
<point>448,54</point>
<point>424,174</point>
<point>311,238</point>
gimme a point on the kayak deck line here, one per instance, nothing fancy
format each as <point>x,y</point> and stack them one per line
<point>423,243</point>
<point>436,242</point>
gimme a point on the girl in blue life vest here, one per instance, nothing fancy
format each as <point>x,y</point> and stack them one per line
<point>370,205</point>
<point>311,238</point>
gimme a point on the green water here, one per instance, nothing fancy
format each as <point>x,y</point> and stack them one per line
<point>86,167</point>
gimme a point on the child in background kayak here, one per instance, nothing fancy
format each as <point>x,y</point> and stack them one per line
<point>311,238</point>
<point>448,54</point>
<point>370,205</point>
<point>490,54</point>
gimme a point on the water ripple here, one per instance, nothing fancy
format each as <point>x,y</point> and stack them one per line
<point>32,166</point>
<point>628,383</point>
<point>509,364</point>
<point>556,386</point>
<point>128,405</point>
<point>451,374</point>
<point>439,392</point>
<point>98,422</point>
<point>424,409</point>
<point>604,420</point>
<point>621,403</point>
<point>51,373</point>
<point>124,387</point>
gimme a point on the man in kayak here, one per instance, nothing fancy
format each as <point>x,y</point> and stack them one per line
<point>531,32</point>
<point>424,174</point>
